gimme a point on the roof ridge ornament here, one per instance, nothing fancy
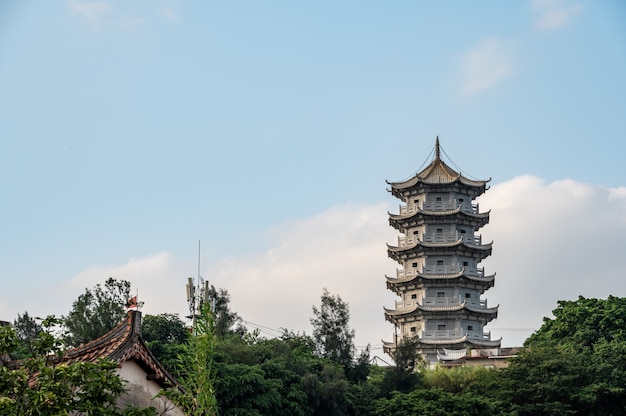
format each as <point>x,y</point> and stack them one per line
<point>437,151</point>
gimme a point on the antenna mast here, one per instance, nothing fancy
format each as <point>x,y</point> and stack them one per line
<point>197,294</point>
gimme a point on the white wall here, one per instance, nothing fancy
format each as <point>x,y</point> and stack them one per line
<point>140,391</point>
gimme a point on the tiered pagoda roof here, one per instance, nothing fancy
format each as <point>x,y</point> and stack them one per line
<point>458,215</point>
<point>482,314</point>
<point>436,173</point>
<point>420,248</point>
<point>418,279</point>
<point>463,341</point>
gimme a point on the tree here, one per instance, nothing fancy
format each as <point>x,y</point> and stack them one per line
<point>196,395</point>
<point>166,336</point>
<point>573,365</point>
<point>96,312</point>
<point>333,337</point>
<point>433,402</point>
<point>225,319</point>
<point>455,379</point>
<point>543,380</point>
<point>583,346</point>
<point>402,377</point>
<point>582,323</point>
<point>257,376</point>
<point>27,330</point>
<point>46,385</point>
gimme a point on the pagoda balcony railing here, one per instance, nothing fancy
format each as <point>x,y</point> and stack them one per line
<point>446,334</point>
<point>456,333</point>
<point>441,301</point>
<point>439,206</point>
<point>440,238</point>
<point>447,269</point>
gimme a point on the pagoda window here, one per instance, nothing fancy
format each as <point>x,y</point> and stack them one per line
<point>414,296</point>
<point>416,201</point>
<point>463,231</point>
<point>468,296</point>
<point>416,232</point>
<point>413,329</point>
<point>439,230</point>
<point>438,199</point>
<point>470,327</point>
<point>441,327</point>
<point>439,262</point>
<point>414,264</point>
<point>441,294</point>
<point>461,200</point>
<point>466,263</point>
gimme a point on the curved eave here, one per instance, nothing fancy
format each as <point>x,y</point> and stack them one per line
<point>437,175</point>
<point>434,277</point>
<point>459,242</point>
<point>485,343</point>
<point>123,343</point>
<point>437,341</point>
<point>397,312</point>
<point>448,308</point>
<point>389,345</point>
<point>454,341</point>
<point>458,210</point>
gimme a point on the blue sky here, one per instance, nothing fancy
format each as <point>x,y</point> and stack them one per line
<point>129,130</point>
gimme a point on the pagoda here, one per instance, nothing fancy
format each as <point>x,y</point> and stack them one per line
<point>440,282</point>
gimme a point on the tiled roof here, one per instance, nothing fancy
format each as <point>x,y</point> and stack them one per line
<point>123,343</point>
<point>436,173</point>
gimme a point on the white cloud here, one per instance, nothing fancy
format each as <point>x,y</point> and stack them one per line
<point>552,241</point>
<point>342,249</point>
<point>101,15</point>
<point>159,279</point>
<point>94,12</point>
<point>554,14</point>
<point>169,14</point>
<point>485,66</point>
<point>130,24</point>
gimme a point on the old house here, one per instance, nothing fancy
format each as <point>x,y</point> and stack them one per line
<point>143,373</point>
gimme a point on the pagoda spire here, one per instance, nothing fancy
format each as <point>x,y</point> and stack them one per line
<point>437,151</point>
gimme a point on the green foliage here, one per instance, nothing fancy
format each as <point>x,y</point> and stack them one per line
<point>402,377</point>
<point>543,381</point>
<point>433,402</point>
<point>44,384</point>
<point>96,312</point>
<point>455,380</point>
<point>582,323</point>
<point>226,321</point>
<point>27,330</point>
<point>573,364</point>
<point>333,336</point>
<point>196,394</point>
<point>166,335</point>
<point>262,377</point>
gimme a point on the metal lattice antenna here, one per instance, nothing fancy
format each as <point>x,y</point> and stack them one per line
<point>198,294</point>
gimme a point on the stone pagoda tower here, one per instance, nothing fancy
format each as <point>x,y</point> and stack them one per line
<point>440,282</point>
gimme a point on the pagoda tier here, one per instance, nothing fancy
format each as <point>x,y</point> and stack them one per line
<point>460,342</point>
<point>418,248</point>
<point>417,217</point>
<point>439,177</point>
<point>451,311</point>
<point>418,280</point>
<point>417,186</point>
